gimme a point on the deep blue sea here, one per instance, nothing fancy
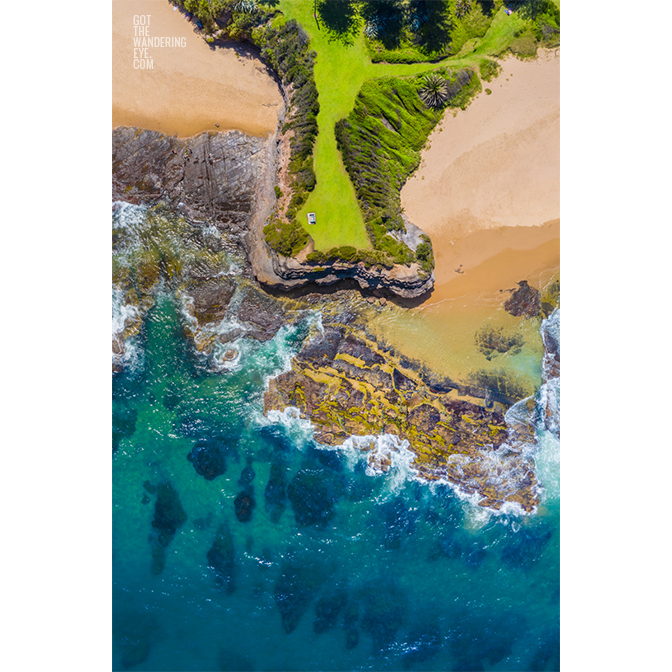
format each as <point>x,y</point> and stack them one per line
<point>294,558</point>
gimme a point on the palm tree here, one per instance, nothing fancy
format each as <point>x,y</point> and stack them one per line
<point>462,7</point>
<point>434,91</point>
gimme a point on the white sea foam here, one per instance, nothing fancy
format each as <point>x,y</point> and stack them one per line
<point>549,405</point>
<point>547,462</point>
<point>299,429</point>
<point>121,314</point>
<point>128,215</point>
<point>385,454</point>
<point>551,325</point>
<point>528,444</point>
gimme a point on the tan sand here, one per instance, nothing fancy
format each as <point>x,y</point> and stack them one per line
<point>494,165</point>
<point>189,88</point>
<point>490,202</point>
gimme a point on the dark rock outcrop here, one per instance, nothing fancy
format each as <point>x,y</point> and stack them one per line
<point>288,273</point>
<point>211,176</point>
<point>211,299</point>
<point>524,301</point>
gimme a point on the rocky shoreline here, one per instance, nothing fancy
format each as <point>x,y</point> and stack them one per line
<point>348,386</point>
<point>214,192</point>
<point>228,179</point>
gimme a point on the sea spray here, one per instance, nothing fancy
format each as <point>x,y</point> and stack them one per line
<point>125,351</point>
<point>298,429</point>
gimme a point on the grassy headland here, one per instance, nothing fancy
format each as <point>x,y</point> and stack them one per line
<point>326,58</point>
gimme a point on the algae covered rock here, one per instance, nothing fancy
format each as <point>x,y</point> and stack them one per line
<point>347,385</point>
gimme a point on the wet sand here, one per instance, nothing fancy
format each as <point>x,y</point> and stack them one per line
<point>190,88</point>
<point>491,175</point>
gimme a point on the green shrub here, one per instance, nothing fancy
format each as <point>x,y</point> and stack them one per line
<point>287,238</point>
<point>425,254</point>
<point>489,69</point>
<point>380,142</point>
<point>278,191</point>
<point>524,44</point>
<point>473,24</point>
<point>347,253</point>
<point>316,257</point>
<point>285,45</point>
<point>547,23</point>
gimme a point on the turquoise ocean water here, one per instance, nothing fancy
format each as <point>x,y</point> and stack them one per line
<point>327,568</point>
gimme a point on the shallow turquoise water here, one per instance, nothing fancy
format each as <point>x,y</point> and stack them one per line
<point>390,574</point>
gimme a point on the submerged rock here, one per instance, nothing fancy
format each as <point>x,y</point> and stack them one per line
<point>480,640</point>
<point>244,504</point>
<point>168,517</point>
<point>123,423</point>
<point>208,459</point>
<point>247,474</point>
<point>351,638</point>
<point>328,609</point>
<point>424,642</point>
<point>135,633</point>
<point>168,513</point>
<point>526,547</point>
<point>221,559</point>
<point>230,661</point>
<point>313,495</point>
<point>547,656</point>
<point>384,612</point>
<point>275,494</point>
<point>294,591</point>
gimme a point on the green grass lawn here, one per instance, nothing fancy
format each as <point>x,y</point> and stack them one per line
<point>340,71</point>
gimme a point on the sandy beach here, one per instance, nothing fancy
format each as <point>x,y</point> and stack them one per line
<point>190,88</point>
<point>488,194</point>
<point>488,187</point>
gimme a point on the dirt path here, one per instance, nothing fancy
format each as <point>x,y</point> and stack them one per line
<point>190,88</point>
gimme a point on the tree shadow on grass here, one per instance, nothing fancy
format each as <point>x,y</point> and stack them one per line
<point>340,19</point>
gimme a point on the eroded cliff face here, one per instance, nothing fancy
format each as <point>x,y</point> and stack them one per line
<point>346,385</point>
<point>228,179</point>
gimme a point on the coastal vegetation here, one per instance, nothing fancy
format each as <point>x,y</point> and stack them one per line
<point>380,142</point>
<point>354,140</point>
